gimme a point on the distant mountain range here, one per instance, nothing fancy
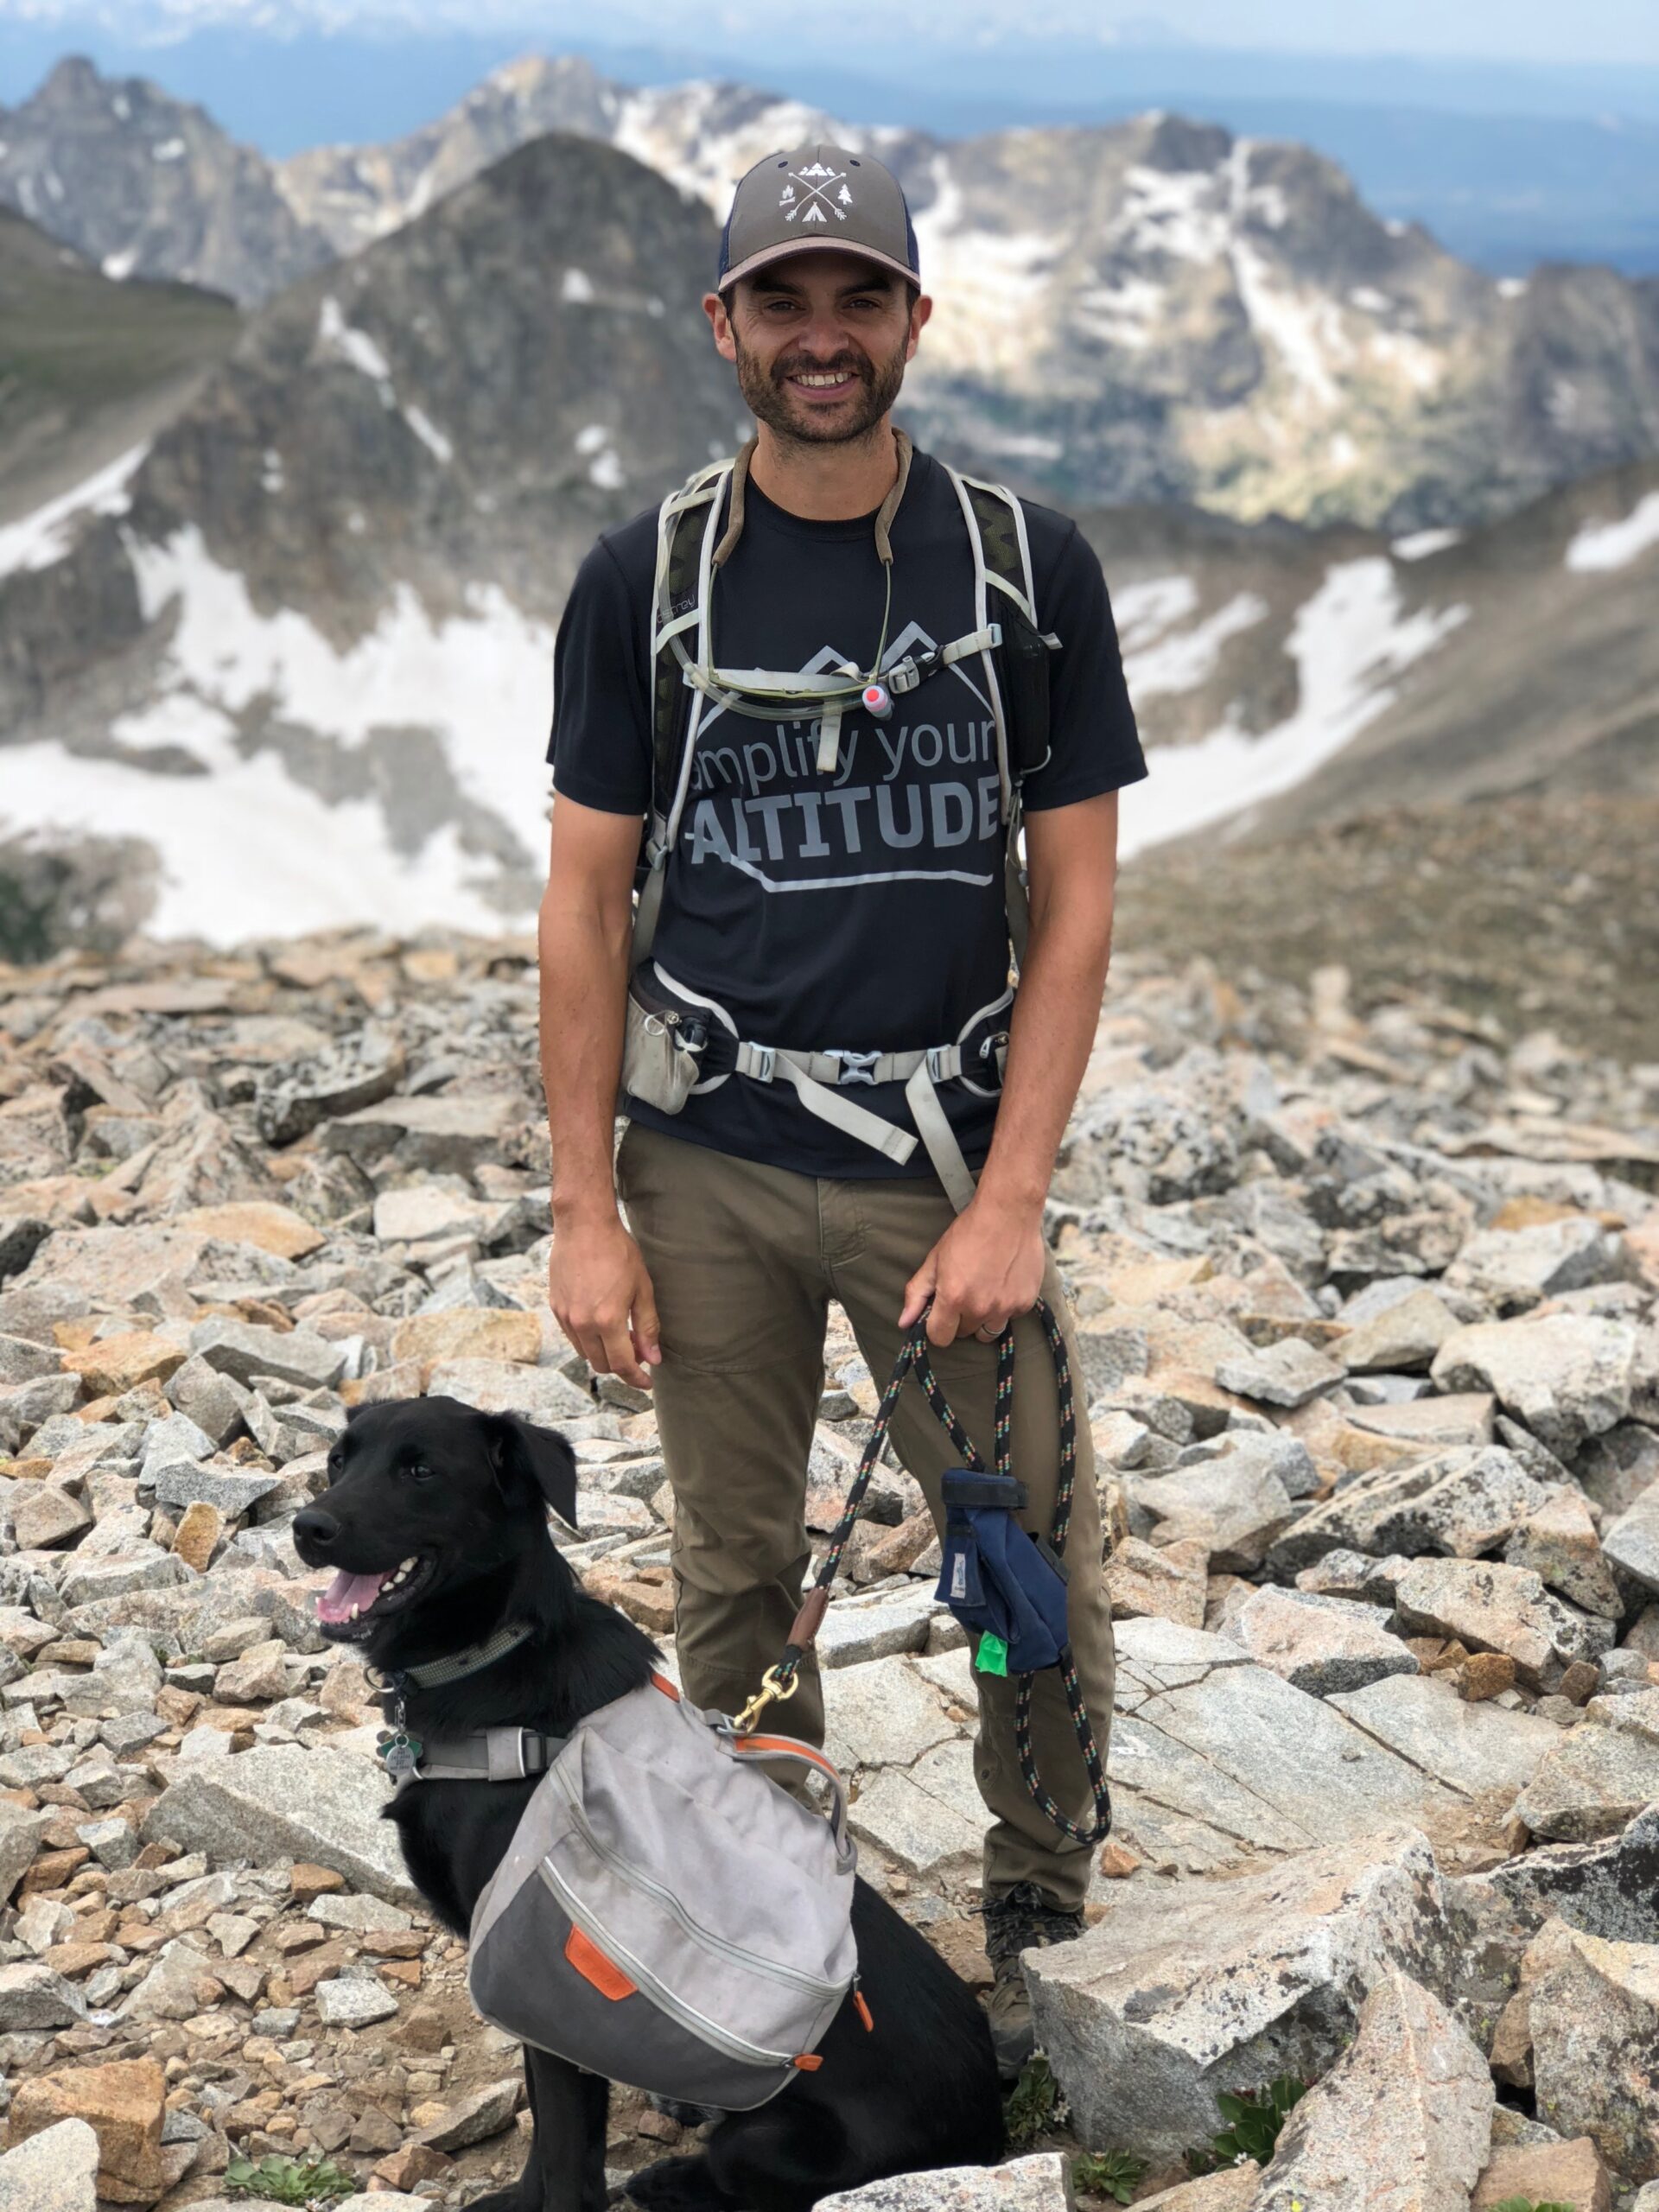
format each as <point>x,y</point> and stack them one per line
<point>301,645</point>
<point>1145,310</point>
<point>1508,162</point>
<point>278,592</point>
<point>298,651</point>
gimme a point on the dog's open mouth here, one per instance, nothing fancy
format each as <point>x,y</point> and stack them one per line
<point>354,1605</point>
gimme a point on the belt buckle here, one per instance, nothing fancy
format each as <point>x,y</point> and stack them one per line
<point>855,1067</point>
<point>515,1765</point>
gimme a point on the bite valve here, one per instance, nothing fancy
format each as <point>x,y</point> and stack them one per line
<point>878,702</point>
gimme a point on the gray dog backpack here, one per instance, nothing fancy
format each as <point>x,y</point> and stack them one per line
<point>665,1914</point>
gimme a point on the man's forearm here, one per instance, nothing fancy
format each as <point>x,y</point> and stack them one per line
<point>584,969</point>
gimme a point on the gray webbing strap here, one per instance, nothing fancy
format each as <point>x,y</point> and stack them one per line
<point>939,1137</point>
<point>806,1072</point>
<point>487,1755</point>
<point>767,1063</point>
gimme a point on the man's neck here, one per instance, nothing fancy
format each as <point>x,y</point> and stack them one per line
<point>826,483</point>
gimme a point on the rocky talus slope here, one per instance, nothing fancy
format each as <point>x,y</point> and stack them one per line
<point>1369,1352</point>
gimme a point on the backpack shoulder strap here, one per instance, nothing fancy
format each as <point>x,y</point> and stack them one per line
<point>1001,551</point>
<point>1004,549</point>
<point>683,522</point>
<point>687,522</point>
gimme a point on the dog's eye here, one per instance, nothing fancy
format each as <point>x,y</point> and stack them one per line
<point>418,1472</point>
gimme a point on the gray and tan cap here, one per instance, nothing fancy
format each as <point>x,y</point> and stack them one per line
<point>816,196</point>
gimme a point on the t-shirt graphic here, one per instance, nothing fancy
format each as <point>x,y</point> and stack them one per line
<point>910,799</point>
<point>858,908</point>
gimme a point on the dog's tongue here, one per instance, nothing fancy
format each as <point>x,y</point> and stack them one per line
<point>335,1603</point>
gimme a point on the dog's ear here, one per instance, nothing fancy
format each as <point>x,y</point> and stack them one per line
<point>543,1456</point>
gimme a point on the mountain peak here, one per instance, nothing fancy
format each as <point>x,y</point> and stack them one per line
<point>76,78</point>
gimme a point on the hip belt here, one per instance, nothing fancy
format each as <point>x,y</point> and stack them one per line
<point>682,1044</point>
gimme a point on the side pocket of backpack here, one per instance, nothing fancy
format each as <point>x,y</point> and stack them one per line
<point>662,1055</point>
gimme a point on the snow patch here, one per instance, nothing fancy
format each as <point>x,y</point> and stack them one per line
<point>1418,544</point>
<point>271,477</point>
<point>1369,301</point>
<point>429,434</point>
<point>1120,314</point>
<point>1019,445</point>
<point>120,266</point>
<point>480,680</point>
<point>1182,212</point>
<point>989,286</point>
<point>1419,365</point>
<point>45,536</point>
<point>1348,641</point>
<point>576,287</point>
<point>421,199</point>
<point>170,149</point>
<point>1144,610</point>
<point>1183,659</point>
<point>1602,545</point>
<point>245,851</point>
<point>1306,334</point>
<point>605,467</point>
<point>1512,287</point>
<point>674,131</point>
<point>350,344</point>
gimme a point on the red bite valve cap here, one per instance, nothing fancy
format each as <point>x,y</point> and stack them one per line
<point>878,701</point>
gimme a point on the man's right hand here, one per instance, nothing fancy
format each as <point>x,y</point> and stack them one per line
<point>602,1299</point>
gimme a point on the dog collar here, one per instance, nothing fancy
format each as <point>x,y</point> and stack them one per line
<point>434,1673</point>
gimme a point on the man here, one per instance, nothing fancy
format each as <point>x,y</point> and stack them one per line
<point>836,887</point>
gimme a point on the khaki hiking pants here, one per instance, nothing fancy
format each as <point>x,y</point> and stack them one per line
<point>745,1260</point>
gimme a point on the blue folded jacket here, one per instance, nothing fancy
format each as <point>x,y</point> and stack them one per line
<point>997,1578</point>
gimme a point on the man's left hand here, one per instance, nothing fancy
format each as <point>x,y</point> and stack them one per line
<point>986,1268</point>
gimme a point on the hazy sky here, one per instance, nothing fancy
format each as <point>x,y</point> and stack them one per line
<point>1591,30</point>
<point>1599,31</point>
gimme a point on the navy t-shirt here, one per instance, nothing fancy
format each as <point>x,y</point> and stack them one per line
<point>860,909</point>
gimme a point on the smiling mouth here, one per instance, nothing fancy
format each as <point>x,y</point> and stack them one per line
<point>824,384</point>
<point>354,1606</point>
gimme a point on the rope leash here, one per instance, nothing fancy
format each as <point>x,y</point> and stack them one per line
<point>915,1358</point>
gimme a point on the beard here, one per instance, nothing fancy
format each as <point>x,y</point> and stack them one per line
<point>767,398</point>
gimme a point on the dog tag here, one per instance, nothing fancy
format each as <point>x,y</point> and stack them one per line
<point>401,1753</point>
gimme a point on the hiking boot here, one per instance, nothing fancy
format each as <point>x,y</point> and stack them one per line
<point>1017,1921</point>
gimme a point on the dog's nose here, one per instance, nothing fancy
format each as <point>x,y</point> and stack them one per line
<point>316,1529</point>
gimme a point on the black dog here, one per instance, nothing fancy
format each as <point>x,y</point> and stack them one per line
<point>436,1520</point>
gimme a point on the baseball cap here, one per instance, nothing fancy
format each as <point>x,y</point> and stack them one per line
<point>813,196</point>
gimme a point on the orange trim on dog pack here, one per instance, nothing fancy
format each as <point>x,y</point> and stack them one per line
<point>863,2011</point>
<point>809,2062</point>
<point>591,1963</point>
<point>785,1743</point>
<point>661,1683</point>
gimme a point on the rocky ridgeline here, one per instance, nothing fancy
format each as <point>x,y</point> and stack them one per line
<point>1370,1357</point>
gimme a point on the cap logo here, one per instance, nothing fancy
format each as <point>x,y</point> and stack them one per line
<point>818,182</point>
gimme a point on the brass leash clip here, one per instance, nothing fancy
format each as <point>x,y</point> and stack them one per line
<point>776,1688</point>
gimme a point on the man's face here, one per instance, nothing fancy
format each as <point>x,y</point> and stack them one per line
<point>820,342</point>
